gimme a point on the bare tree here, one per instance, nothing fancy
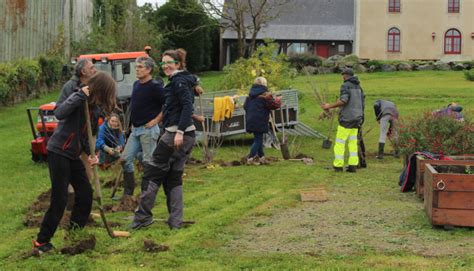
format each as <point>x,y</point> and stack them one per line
<point>245,17</point>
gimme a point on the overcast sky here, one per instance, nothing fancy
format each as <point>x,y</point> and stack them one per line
<point>159,2</point>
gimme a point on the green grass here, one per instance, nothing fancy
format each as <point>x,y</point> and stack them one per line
<point>241,212</point>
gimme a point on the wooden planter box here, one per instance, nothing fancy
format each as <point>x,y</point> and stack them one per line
<point>420,168</point>
<point>449,195</point>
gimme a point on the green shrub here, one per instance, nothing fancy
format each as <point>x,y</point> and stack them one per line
<point>351,59</point>
<point>28,73</point>
<point>469,75</point>
<point>299,61</point>
<point>8,80</point>
<point>51,67</point>
<point>437,134</point>
<point>376,63</point>
<point>241,74</point>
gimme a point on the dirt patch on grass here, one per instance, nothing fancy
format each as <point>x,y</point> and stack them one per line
<point>80,246</point>
<point>34,215</point>
<point>348,224</point>
<point>126,204</point>
<point>151,246</point>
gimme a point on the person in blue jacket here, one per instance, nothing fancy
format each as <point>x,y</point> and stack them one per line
<point>174,146</point>
<point>65,146</point>
<point>110,140</point>
<point>257,107</point>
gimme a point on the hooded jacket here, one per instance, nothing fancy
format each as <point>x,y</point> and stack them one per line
<point>179,100</point>
<point>257,109</point>
<point>70,137</point>
<point>352,113</point>
<point>383,108</point>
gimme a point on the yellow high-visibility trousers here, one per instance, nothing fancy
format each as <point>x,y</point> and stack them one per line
<point>344,135</point>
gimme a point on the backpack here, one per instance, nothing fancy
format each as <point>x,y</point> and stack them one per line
<point>408,176</point>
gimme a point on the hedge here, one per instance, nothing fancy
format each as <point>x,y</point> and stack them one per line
<point>26,78</point>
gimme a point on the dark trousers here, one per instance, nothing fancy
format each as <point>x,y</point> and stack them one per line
<point>166,169</point>
<point>63,171</point>
<point>257,145</point>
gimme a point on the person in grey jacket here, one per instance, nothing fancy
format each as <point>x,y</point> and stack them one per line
<point>351,117</point>
<point>65,146</point>
<point>386,114</point>
<point>83,71</point>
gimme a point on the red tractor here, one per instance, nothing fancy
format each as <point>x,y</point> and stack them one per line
<point>46,123</point>
<point>122,68</point>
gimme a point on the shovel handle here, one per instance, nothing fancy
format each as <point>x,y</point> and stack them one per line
<point>282,126</point>
<point>95,173</point>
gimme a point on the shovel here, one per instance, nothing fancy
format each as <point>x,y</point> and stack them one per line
<point>285,152</point>
<point>95,177</point>
<point>276,142</point>
<point>207,154</point>
<point>327,142</point>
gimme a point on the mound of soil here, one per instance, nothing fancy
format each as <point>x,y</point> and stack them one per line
<point>302,155</point>
<point>234,163</point>
<point>80,246</point>
<point>151,246</point>
<point>34,215</point>
<point>126,204</point>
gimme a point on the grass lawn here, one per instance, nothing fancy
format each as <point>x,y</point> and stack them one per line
<point>250,217</point>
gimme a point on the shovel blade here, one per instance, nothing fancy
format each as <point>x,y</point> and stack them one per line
<point>285,152</point>
<point>327,144</point>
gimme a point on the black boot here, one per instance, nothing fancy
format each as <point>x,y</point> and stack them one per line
<point>381,148</point>
<point>128,183</point>
<point>352,169</point>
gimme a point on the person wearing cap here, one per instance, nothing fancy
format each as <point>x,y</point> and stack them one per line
<point>351,117</point>
<point>386,114</point>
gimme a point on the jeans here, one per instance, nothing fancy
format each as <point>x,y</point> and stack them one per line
<point>140,140</point>
<point>257,145</point>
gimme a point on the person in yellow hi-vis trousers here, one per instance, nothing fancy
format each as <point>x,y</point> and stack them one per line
<point>351,117</point>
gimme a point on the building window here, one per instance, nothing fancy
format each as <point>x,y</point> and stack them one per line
<point>452,42</point>
<point>453,6</point>
<point>394,40</point>
<point>297,48</point>
<point>341,48</point>
<point>393,5</point>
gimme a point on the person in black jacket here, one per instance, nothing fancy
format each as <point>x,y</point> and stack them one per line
<point>174,146</point>
<point>64,148</point>
<point>257,113</point>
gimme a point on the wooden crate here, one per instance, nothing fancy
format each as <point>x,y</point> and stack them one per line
<point>449,197</point>
<point>420,168</point>
<point>314,194</point>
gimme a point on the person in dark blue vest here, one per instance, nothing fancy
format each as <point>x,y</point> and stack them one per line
<point>257,107</point>
<point>148,97</point>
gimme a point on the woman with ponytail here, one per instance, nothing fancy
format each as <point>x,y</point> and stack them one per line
<point>174,146</point>
<point>64,148</point>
